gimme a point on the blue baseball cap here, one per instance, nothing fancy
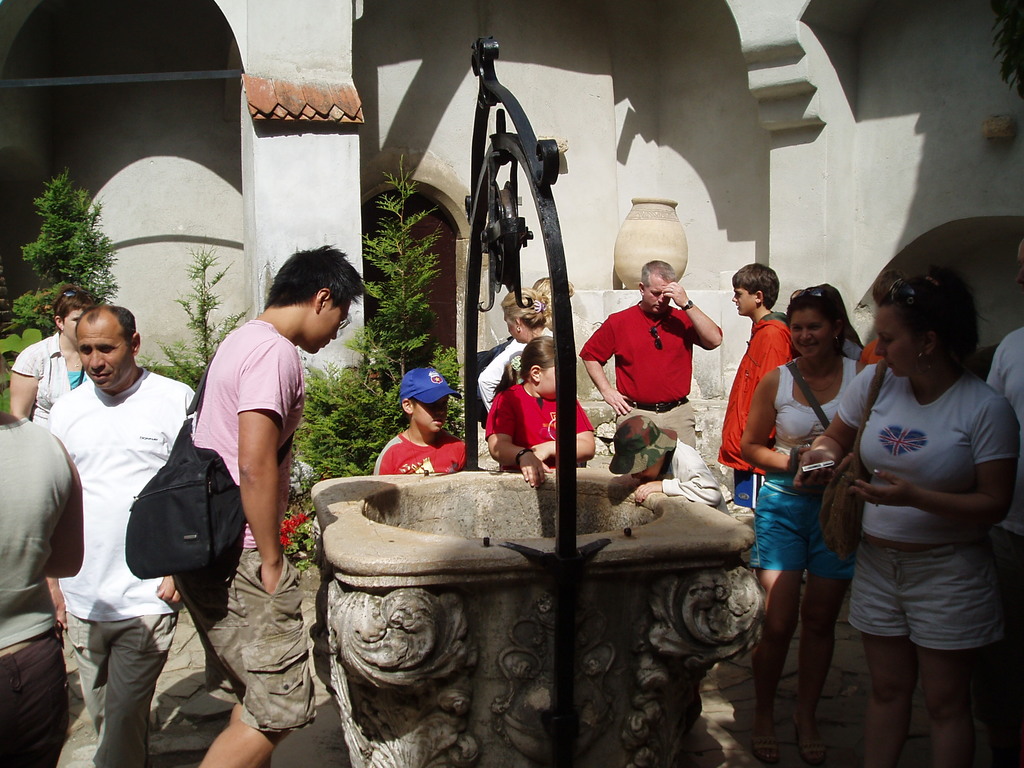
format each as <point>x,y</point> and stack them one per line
<point>425,385</point>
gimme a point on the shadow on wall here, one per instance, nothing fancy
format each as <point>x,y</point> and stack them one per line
<point>984,251</point>
<point>921,78</point>
<point>114,126</point>
<point>677,116</point>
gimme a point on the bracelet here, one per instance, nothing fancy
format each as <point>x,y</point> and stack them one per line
<point>519,455</point>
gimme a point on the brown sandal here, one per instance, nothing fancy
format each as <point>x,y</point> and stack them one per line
<point>812,751</point>
<point>765,749</point>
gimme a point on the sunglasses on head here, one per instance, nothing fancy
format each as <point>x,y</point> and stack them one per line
<point>903,292</point>
<point>69,293</point>
<point>656,337</point>
<point>816,292</point>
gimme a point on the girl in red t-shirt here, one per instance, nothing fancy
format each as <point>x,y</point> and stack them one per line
<point>521,424</point>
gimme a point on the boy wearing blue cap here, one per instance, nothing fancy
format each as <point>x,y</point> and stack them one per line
<point>425,447</point>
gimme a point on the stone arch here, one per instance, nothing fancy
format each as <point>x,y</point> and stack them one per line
<point>439,188</point>
<point>983,250</point>
<point>163,158</point>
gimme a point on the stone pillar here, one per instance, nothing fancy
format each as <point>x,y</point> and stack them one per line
<point>301,191</point>
<point>300,145</point>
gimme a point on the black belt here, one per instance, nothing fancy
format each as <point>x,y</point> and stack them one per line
<point>661,407</point>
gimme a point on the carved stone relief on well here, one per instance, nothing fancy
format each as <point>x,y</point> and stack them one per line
<point>696,620</point>
<point>527,665</point>
<point>399,668</point>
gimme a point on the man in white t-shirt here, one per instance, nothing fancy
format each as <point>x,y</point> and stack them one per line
<point>119,432</point>
<point>248,607</point>
<point>999,675</point>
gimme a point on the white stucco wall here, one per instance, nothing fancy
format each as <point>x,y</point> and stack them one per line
<point>299,195</point>
<point>826,139</point>
<point>592,77</point>
<point>155,237</point>
<point>921,157</point>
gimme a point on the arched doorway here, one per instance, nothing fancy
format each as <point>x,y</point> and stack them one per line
<point>443,297</point>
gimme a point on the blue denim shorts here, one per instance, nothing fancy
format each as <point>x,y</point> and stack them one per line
<point>787,536</point>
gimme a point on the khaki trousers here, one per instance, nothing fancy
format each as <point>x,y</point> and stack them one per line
<point>680,420</point>
<point>118,664</point>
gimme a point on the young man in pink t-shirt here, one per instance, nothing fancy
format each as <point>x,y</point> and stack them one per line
<point>426,447</point>
<point>248,608</point>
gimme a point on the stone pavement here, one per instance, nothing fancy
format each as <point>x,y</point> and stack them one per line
<point>185,718</point>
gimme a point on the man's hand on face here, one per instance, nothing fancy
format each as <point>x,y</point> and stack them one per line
<point>677,293</point>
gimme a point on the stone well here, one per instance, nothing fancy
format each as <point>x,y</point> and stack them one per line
<point>439,642</point>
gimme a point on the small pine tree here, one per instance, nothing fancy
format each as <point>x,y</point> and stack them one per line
<point>186,362</point>
<point>351,413</point>
<point>71,248</point>
<point>398,337</point>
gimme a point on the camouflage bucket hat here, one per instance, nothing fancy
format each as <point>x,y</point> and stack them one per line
<point>639,442</point>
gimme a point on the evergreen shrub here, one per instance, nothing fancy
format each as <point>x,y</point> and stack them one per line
<point>351,413</point>
<point>71,248</point>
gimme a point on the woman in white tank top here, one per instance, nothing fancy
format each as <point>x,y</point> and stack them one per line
<point>788,539</point>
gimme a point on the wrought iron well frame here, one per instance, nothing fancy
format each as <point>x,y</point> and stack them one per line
<point>499,231</point>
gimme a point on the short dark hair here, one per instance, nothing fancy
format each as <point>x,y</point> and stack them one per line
<point>70,298</point>
<point>123,316</point>
<point>306,272</point>
<point>925,303</point>
<point>757,277</point>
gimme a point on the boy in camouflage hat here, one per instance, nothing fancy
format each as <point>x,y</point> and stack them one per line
<point>658,462</point>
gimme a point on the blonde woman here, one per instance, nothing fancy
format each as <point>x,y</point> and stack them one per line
<point>50,368</point>
<point>524,324</point>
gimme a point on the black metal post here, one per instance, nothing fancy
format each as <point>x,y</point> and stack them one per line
<point>497,227</point>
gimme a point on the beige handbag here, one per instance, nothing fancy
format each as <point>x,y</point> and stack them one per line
<point>841,512</point>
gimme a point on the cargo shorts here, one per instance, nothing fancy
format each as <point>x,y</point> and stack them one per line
<point>257,640</point>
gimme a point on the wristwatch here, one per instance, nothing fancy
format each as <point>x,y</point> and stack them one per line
<point>687,305</point>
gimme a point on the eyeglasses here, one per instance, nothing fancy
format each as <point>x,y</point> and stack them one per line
<point>903,292</point>
<point>345,323</point>
<point>816,292</point>
<point>656,337</point>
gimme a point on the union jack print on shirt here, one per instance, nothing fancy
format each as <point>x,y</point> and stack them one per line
<point>899,440</point>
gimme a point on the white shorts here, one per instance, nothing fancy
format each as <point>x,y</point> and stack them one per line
<point>944,598</point>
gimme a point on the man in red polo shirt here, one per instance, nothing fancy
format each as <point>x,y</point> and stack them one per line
<point>652,343</point>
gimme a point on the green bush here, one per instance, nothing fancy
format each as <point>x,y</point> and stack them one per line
<point>1009,42</point>
<point>71,248</point>
<point>352,413</point>
<point>186,362</point>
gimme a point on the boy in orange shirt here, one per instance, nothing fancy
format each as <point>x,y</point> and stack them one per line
<point>755,291</point>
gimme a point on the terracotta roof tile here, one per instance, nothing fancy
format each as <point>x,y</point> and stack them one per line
<point>275,99</point>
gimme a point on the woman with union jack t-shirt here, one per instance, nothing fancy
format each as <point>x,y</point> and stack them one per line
<point>941,447</point>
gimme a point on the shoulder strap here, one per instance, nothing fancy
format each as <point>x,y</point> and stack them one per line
<point>811,399</point>
<point>197,399</point>
<point>197,405</point>
<point>876,387</point>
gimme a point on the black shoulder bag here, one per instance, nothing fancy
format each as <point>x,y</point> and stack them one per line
<point>190,512</point>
